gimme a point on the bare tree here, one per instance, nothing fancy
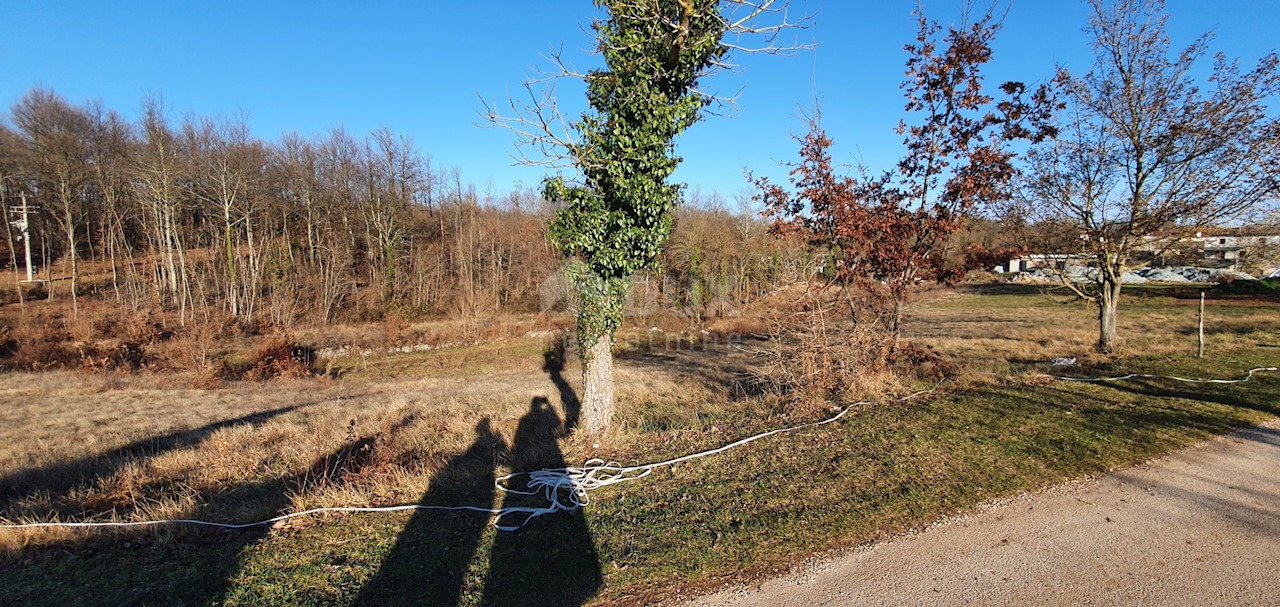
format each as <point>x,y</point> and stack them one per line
<point>12,188</point>
<point>111,149</point>
<point>1145,154</point>
<point>394,174</point>
<point>57,139</point>
<point>159,172</point>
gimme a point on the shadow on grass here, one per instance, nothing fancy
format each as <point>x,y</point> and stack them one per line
<point>1009,288</point>
<point>430,561</point>
<point>1264,401</point>
<point>62,477</point>
<point>720,361</point>
<point>169,565</point>
<point>553,362</point>
<point>552,560</point>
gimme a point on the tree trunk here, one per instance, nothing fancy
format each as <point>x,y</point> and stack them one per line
<point>597,394</point>
<point>71,248</point>
<point>228,243</point>
<point>1108,303</point>
<point>895,323</point>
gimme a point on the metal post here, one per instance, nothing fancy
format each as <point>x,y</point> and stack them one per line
<point>1200,354</point>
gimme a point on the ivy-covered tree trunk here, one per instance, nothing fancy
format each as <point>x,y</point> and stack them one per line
<point>615,221</point>
<point>599,315</point>
<point>597,392</point>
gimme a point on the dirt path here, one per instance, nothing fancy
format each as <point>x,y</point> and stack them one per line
<point>1200,527</point>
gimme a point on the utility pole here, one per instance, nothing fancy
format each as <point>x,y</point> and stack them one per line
<point>24,225</point>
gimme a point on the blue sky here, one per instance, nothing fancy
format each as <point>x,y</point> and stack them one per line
<point>421,68</point>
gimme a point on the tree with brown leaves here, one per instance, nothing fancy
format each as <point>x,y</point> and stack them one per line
<point>885,233</point>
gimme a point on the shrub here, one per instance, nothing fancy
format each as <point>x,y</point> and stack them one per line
<point>280,356</point>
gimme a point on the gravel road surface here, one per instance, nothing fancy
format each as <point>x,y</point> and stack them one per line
<point>1199,527</point>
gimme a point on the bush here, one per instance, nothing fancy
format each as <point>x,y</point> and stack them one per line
<point>280,356</point>
<point>817,352</point>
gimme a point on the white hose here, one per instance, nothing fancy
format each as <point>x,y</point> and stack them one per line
<point>1173,377</point>
<point>563,489</point>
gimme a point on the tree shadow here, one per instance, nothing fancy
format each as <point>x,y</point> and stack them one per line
<point>61,477</point>
<point>553,362</point>
<point>1258,400</point>
<point>552,560</point>
<point>166,565</point>
<point>429,563</point>
<point>1226,496</point>
<point>721,362</point>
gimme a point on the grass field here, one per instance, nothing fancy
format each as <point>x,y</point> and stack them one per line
<point>436,427</point>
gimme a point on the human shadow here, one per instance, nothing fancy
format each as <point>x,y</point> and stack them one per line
<point>61,477</point>
<point>429,563</point>
<point>552,559</point>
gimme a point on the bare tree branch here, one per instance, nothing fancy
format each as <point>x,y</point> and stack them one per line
<point>546,136</point>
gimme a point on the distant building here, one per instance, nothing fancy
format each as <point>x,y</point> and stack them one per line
<point>1229,248</point>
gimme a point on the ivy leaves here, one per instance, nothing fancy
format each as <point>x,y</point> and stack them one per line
<point>616,222</point>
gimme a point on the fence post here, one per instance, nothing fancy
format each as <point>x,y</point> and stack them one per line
<point>1200,354</point>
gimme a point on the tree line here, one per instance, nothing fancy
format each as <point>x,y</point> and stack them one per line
<point>199,217</point>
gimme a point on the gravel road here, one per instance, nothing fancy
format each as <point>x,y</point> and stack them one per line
<point>1199,527</point>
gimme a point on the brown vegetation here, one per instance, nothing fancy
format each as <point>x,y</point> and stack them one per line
<point>196,221</point>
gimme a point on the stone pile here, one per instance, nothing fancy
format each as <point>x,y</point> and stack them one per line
<point>1181,274</point>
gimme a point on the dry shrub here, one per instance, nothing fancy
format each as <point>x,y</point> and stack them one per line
<point>920,362</point>
<point>8,345</point>
<point>102,340</point>
<point>395,330</point>
<point>40,342</point>
<point>123,356</point>
<point>815,351</point>
<point>280,356</point>
<point>129,345</point>
<point>210,376</point>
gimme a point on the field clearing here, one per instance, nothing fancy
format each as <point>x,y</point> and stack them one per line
<point>436,427</point>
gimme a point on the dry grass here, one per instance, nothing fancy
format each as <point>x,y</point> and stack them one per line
<point>121,446</point>
<point>128,446</point>
<point>132,446</point>
<point>1002,329</point>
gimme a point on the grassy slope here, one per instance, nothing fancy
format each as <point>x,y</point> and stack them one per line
<point>760,509</point>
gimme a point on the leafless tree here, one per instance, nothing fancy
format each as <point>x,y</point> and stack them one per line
<point>1146,153</point>
<point>159,171</point>
<point>57,152</point>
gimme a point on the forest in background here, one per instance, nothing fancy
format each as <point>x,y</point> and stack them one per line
<point>199,220</point>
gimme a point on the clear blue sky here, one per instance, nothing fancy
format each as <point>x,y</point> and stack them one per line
<point>421,67</point>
